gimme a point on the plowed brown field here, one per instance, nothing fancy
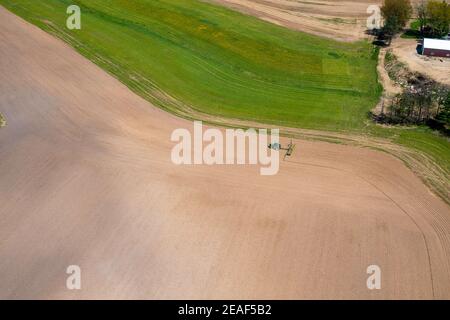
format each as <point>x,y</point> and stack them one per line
<point>86,179</point>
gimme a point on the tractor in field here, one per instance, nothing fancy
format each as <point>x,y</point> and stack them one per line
<point>289,149</point>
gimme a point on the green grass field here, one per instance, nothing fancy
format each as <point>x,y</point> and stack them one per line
<point>220,62</point>
<point>421,139</point>
<point>187,56</point>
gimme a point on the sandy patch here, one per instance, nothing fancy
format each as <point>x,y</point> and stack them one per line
<point>339,20</point>
<point>343,20</point>
<point>436,68</point>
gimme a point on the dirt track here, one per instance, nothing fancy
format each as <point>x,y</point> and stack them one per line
<point>86,179</point>
<point>344,20</point>
<point>336,19</point>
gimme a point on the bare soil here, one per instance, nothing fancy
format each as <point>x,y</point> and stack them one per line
<point>336,19</point>
<point>344,20</point>
<point>86,179</point>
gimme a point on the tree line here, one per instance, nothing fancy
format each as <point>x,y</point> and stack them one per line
<point>427,103</point>
<point>423,101</point>
<point>433,17</point>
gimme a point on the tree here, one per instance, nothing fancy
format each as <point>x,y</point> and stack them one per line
<point>439,17</point>
<point>443,116</point>
<point>396,14</point>
<point>422,15</point>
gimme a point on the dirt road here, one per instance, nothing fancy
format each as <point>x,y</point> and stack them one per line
<point>86,179</point>
<point>344,20</point>
<point>336,19</point>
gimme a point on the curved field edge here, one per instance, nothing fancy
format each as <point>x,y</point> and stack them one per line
<point>424,152</point>
<point>219,62</point>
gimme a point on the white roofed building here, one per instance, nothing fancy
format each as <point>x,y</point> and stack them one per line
<point>436,48</point>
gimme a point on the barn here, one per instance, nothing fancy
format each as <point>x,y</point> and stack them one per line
<point>436,48</point>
